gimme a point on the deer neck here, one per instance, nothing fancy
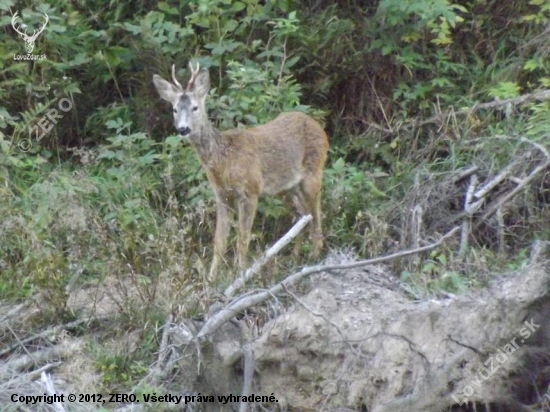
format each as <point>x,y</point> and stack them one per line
<point>208,144</point>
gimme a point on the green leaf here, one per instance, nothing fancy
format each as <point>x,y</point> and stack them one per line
<point>6,5</point>
<point>132,28</point>
<point>238,6</point>
<point>71,88</point>
<point>230,25</point>
<point>173,140</point>
<point>165,7</point>
<point>114,124</point>
<point>505,90</point>
<point>57,28</point>
<point>79,59</point>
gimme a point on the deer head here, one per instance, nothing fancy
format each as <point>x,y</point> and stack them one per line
<point>29,40</point>
<point>189,104</point>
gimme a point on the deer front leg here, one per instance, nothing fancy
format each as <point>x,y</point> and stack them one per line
<point>247,213</point>
<point>224,215</point>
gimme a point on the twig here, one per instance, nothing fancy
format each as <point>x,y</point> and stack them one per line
<point>63,350</point>
<point>517,138</point>
<point>493,208</point>
<point>468,210</point>
<point>50,390</point>
<point>47,333</point>
<point>163,347</point>
<point>266,257</point>
<point>16,310</point>
<point>515,101</point>
<point>464,174</point>
<point>283,61</point>
<point>504,173</point>
<point>223,316</point>
<point>416,218</point>
<point>249,364</point>
<point>501,231</point>
<point>164,339</point>
<point>19,342</point>
<point>35,374</point>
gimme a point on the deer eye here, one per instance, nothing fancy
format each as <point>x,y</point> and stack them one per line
<point>175,111</point>
<point>195,108</point>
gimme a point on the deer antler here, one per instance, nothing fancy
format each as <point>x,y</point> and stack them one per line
<point>174,78</point>
<point>194,74</point>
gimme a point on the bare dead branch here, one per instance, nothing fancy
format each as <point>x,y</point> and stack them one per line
<point>267,256</point>
<point>48,333</point>
<point>37,373</point>
<point>47,383</point>
<point>164,340</point>
<point>63,350</point>
<point>504,173</point>
<point>515,101</point>
<point>521,139</point>
<point>237,306</point>
<point>501,231</point>
<point>248,374</point>
<point>468,210</point>
<point>466,173</point>
<point>510,195</point>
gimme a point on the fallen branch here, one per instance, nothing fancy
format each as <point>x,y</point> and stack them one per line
<point>248,373</point>
<point>22,363</point>
<point>521,139</point>
<point>47,383</point>
<point>469,209</point>
<point>37,373</point>
<point>163,351</point>
<point>48,333</point>
<point>503,174</point>
<point>515,101</point>
<point>466,173</point>
<point>241,304</point>
<point>493,208</point>
<point>266,257</point>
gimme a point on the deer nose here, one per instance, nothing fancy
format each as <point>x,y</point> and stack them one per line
<point>184,131</point>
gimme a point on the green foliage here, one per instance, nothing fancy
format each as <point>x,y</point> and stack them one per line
<point>504,90</point>
<point>434,275</point>
<point>537,127</point>
<point>347,189</point>
<point>111,194</point>
<point>254,96</point>
<point>126,368</point>
<point>417,33</point>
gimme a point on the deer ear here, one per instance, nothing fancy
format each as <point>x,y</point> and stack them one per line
<point>165,89</point>
<point>202,84</point>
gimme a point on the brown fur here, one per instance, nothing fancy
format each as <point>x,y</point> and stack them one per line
<point>287,154</point>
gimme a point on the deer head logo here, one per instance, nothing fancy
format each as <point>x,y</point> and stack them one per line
<point>29,40</point>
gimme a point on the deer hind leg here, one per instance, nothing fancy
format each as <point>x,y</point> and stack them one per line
<point>310,189</point>
<point>224,216</point>
<point>300,204</point>
<point>247,212</point>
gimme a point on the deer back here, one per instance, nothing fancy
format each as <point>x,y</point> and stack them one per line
<point>275,156</point>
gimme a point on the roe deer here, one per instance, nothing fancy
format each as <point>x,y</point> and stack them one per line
<point>284,155</point>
